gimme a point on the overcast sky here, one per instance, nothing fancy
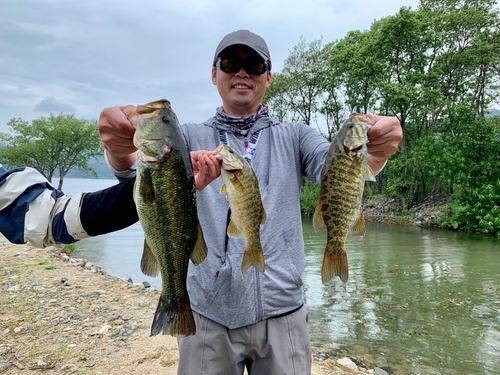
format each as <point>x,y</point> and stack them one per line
<point>82,56</point>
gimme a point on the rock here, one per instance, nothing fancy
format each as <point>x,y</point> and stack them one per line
<point>146,284</point>
<point>104,329</point>
<point>4,366</point>
<point>15,288</point>
<point>126,330</point>
<point>379,371</point>
<point>346,362</point>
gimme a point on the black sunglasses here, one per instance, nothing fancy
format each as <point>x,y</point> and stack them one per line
<point>251,66</point>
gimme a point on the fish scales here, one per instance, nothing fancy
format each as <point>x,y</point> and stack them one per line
<point>166,204</point>
<point>339,202</point>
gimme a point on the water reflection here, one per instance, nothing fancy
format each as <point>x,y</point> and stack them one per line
<point>420,301</point>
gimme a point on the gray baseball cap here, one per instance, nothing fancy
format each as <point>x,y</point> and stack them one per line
<point>246,38</point>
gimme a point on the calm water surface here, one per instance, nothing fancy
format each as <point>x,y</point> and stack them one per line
<point>418,301</point>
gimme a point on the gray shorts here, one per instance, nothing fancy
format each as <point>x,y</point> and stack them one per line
<point>276,346</point>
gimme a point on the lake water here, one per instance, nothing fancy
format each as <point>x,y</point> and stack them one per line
<point>420,302</point>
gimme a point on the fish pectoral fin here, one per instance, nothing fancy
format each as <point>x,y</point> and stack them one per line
<point>318,221</point>
<point>233,229</point>
<point>149,263</point>
<point>199,252</point>
<point>238,186</point>
<point>223,189</point>
<point>358,227</point>
<point>369,175</point>
<point>146,187</point>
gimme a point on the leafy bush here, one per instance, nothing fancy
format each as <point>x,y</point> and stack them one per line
<point>309,197</point>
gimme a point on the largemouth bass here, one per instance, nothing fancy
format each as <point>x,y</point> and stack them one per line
<point>339,203</point>
<point>247,212</point>
<point>165,199</point>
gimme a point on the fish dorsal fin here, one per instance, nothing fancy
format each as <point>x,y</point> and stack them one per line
<point>199,252</point>
<point>358,227</point>
<point>149,263</point>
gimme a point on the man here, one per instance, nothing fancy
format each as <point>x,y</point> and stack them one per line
<point>251,319</point>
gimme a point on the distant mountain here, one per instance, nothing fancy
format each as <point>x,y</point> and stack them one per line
<point>99,166</point>
<point>493,112</point>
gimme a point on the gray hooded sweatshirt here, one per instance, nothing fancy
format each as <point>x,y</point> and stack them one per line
<point>217,288</point>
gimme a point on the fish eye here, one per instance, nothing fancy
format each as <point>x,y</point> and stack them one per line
<point>231,151</point>
<point>165,119</point>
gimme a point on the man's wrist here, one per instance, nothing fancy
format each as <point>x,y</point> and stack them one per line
<point>122,170</point>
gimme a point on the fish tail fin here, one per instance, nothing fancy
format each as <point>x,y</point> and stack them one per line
<point>334,264</point>
<point>173,320</point>
<point>253,257</point>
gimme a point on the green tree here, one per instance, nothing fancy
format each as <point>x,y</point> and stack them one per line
<point>50,144</point>
<point>298,87</point>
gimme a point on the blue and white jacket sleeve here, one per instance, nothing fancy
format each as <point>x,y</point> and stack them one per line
<point>32,210</point>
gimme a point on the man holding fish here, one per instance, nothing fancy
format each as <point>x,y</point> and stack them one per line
<point>250,317</point>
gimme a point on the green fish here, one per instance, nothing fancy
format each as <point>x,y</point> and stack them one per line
<point>247,212</point>
<point>342,184</point>
<point>165,198</point>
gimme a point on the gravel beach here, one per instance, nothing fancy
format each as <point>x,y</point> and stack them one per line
<point>60,315</point>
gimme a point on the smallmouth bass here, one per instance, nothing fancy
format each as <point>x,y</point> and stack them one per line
<point>247,212</point>
<point>339,203</point>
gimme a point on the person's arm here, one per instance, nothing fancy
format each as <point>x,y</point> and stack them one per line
<point>32,210</point>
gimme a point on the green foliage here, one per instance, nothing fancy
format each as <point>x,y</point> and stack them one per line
<point>69,248</point>
<point>51,143</point>
<point>309,197</point>
<point>477,212</point>
<point>435,68</point>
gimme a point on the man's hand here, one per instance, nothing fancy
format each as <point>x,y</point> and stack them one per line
<point>117,136</point>
<point>384,137</point>
<point>206,168</point>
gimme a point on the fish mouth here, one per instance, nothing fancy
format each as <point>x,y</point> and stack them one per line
<point>152,106</point>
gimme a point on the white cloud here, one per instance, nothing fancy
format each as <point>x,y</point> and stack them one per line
<point>94,54</point>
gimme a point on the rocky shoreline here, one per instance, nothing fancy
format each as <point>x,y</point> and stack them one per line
<point>60,315</point>
<point>391,211</point>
